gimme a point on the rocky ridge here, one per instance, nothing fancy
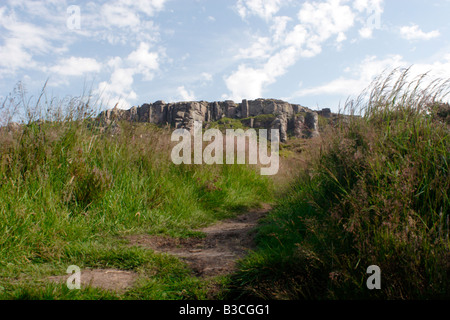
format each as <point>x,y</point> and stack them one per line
<point>295,119</point>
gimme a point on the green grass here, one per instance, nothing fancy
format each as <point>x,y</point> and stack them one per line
<point>376,194</point>
<point>260,121</point>
<point>374,191</point>
<point>69,190</point>
<point>227,123</point>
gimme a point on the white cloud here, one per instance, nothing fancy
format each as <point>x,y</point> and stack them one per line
<point>22,42</point>
<point>260,49</point>
<point>126,13</point>
<point>414,32</point>
<point>360,77</point>
<point>318,22</point>
<point>265,9</point>
<point>439,69</point>
<point>119,89</point>
<point>119,16</point>
<point>278,64</point>
<point>246,83</point>
<point>368,6</point>
<point>326,19</point>
<point>296,37</point>
<point>207,76</point>
<point>370,16</point>
<point>185,95</point>
<point>278,28</point>
<point>14,56</point>
<point>144,61</point>
<point>121,21</point>
<point>40,8</point>
<point>149,7</point>
<point>76,66</point>
<point>366,32</point>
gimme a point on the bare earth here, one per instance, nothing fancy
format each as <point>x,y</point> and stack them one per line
<point>215,254</point>
<point>108,279</point>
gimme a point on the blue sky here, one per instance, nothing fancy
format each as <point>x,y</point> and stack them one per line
<point>315,53</point>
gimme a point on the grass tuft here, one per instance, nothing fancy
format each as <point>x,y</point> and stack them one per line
<point>66,183</point>
<point>376,194</point>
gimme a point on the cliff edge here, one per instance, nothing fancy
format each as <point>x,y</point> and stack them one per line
<point>294,119</point>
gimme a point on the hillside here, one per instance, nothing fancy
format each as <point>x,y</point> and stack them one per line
<point>101,193</point>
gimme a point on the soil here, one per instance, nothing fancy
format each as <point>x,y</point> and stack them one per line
<point>215,254</point>
<point>108,279</point>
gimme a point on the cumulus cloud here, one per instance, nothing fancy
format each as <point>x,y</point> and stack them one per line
<point>119,16</point>
<point>278,28</point>
<point>325,19</point>
<point>127,13</point>
<point>370,16</point>
<point>265,9</point>
<point>119,89</point>
<point>260,49</point>
<point>26,44</point>
<point>366,32</point>
<point>246,83</point>
<point>185,95</point>
<point>358,78</point>
<point>317,23</point>
<point>22,41</point>
<point>368,6</point>
<point>414,32</point>
<point>76,66</point>
<point>144,61</point>
<point>121,21</point>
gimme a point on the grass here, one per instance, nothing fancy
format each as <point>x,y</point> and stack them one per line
<point>227,123</point>
<point>373,190</point>
<point>376,194</point>
<point>260,121</point>
<point>69,189</point>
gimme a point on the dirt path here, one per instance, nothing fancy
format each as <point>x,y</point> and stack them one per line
<point>216,254</point>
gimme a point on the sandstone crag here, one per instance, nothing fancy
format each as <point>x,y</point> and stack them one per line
<point>289,118</point>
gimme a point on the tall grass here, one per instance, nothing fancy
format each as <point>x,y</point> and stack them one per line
<point>68,185</point>
<point>377,194</point>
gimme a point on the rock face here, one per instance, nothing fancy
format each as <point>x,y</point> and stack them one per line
<point>260,113</point>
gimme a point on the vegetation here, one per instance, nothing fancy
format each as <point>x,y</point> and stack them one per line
<point>376,194</point>
<point>70,191</point>
<point>227,123</point>
<point>260,121</point>
<point>373,190</point>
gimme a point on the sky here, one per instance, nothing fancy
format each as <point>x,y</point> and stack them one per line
<point>314,53</point>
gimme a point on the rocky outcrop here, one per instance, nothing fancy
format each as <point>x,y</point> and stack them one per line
<point>260,113</point>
